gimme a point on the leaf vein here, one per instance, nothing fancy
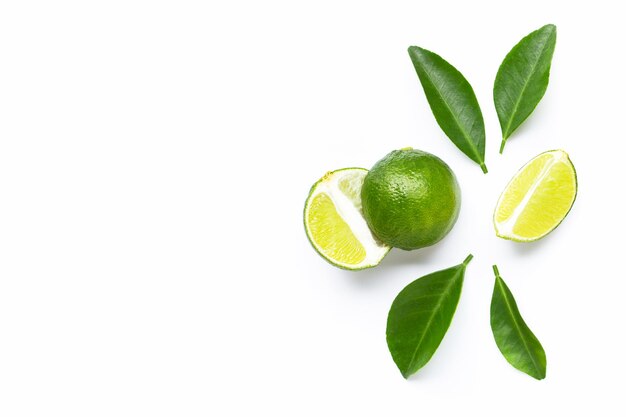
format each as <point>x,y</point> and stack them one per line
<point>524,87</point>
<point>444,101</point>
<point>517,326</point>
<point>434,312</point>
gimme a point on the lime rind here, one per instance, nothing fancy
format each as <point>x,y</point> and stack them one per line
<point>508,234</point>
<point>343,188</point>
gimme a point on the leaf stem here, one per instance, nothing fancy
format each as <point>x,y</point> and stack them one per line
<point>468,259</point>
<point>502,145</point>
<point>484,168</point>
<point>495,271</point>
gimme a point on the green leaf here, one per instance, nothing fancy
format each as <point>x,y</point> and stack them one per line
<point>518,344</point>
<point>453,103</point>
<point>420,316</point>
<point>523,78</point>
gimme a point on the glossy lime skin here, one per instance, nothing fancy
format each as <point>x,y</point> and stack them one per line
<point>411,199</point>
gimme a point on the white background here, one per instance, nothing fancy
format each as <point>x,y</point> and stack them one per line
<point>154,162</point>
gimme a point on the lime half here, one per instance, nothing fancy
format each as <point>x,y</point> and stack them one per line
<point>537,199</point>
<point>334,221</point>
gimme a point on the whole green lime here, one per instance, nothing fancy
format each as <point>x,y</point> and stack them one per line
<point>411,199</point>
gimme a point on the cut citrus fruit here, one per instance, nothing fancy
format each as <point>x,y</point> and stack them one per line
<point>334,221</point>
<point>537,199</point>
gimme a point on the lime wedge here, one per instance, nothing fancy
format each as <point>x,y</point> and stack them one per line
<point>334,221</point>
<point>537,199</point>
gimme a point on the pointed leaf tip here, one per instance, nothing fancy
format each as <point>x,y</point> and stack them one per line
<point>549,27</point>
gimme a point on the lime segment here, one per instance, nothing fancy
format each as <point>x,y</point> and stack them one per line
<point>334,222</point>
<point>537,199</point>
<point>332,233</point>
